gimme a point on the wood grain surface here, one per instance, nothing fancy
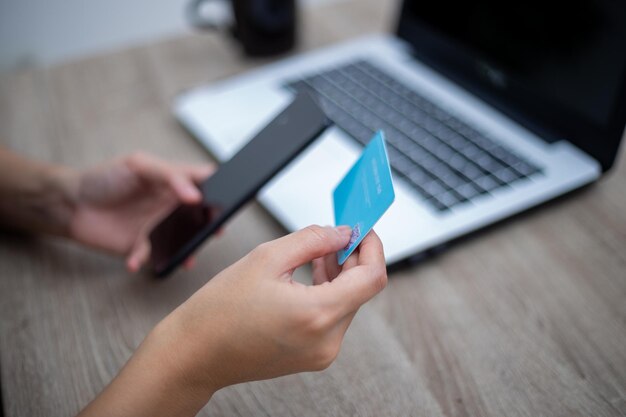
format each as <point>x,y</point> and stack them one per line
<point>527,318</point>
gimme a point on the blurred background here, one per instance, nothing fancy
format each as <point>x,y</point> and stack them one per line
<point>46,32</point>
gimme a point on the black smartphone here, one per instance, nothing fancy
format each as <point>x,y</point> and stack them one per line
<point>236,182</point>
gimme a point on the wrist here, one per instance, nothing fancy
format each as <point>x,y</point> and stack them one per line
<point>59,197</point>
<point>185,369</point>
<point>36,197</point>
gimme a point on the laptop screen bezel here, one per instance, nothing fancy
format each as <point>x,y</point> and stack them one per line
<point>548,121</point>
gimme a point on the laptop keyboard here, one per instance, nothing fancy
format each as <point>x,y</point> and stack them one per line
<point>446,161</point>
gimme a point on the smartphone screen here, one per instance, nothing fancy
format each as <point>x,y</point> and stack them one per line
<point>236,182</point>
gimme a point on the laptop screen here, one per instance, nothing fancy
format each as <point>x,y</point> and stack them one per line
<point>558,67</point>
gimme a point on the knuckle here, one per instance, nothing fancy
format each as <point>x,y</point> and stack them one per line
<point>326,355</point>
<point>380,275</point>
<point>315,321</point>
<point>318,324</point>
<point>261,252</point>
<point>315,231</point>
<point>136,158</point>
<point>302,318</point>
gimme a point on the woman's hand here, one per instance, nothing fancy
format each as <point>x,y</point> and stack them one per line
<point>115,205</point>
<point>110,207</point>
<point>259,323</point>
<point>250,322</point>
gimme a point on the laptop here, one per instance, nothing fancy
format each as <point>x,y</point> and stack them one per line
<point>488,111</point>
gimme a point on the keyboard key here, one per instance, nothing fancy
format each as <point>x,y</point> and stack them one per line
<point>487,183</point>
<point>506,175</point>
<point>434,188</point>
<point>448,199</point>
<point>452,181</point>
<point>457,161</point>
<point>488,163</point>
<point>468,190</point>
<point>403,164</point>
<point>443,152</point>
<point>471,152</point>
<point>524,168</point>
<point>418,176</point>
<point>471,171</point>
<point>437,204</point>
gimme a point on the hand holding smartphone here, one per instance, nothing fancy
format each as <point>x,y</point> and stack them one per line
<point>236,182</point>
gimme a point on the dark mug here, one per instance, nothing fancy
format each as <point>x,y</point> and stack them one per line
<point>263,27</point>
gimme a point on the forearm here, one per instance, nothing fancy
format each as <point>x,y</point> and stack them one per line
<point>156,381</point>
<point>250,322</point>
<point>34,196</point>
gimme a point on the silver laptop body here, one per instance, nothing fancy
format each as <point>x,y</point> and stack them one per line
<point>224,115</point>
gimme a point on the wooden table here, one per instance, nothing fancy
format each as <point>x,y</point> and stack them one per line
<point>526,319</point>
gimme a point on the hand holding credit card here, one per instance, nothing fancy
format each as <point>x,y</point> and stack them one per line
<point>364,194</point>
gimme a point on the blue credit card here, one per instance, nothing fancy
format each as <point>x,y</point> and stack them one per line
<point>364,194</point>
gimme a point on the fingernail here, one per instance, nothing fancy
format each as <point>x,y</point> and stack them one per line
<point>192,192</point>
<point>344,231</point>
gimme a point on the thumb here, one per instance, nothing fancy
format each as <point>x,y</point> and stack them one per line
<point>138,255</point>
<point>310,243</point>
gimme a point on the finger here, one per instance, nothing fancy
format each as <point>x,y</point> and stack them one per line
<point>198,173</point>
<point>355,286</point>
<point>319,271</point>
<point>157,171</point>
<point>352,261</point>
<point>138,255</point>
<point>305,245</point>
<point>370,251</point>
<point>189,263</point>
<point>325,269</point>
<point>331,267</point>
<point>331,264</point>
<point>184,188</point>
